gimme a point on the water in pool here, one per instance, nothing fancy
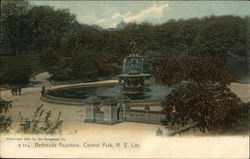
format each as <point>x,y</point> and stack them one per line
<point>156,92</point>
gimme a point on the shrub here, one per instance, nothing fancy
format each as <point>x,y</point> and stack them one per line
<point>41,123</point>
<point>5,121</point>
<point>243,117</point>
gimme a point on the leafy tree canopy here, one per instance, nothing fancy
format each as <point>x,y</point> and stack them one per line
<point>196,70</point>
<point>205,99</point>
<point>213,108</point>
<point>57,36</point>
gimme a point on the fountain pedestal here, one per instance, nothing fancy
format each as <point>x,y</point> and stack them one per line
<point>133,77</point>
<point>134,84</point>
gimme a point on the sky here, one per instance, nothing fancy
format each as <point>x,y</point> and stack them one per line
<point>108,14</point>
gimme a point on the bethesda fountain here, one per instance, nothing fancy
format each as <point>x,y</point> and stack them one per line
<point>110,102</point>
<point>132,83</point>
<point>132,75</point>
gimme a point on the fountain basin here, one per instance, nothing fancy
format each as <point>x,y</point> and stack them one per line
<point>76,94</point>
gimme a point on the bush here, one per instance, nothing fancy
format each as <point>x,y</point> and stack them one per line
<point>243,117</point>
<point>5,121</point>
<point>61,73</point>
<point>41,123</point>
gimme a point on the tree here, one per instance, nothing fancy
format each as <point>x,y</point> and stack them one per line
<point>221,36</point>
<point>210,70</point>
<point>28,28</point>
<point>212,107</point>
<point>205,99</point>
<point>15,73</point>
<point>85,65</point>
<point>15,27</point>
<point>57,37</point>
<point>49,26</point>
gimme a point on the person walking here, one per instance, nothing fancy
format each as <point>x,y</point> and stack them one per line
<point>19,88</point>
<point>14,90</point>
<point>43,90</point>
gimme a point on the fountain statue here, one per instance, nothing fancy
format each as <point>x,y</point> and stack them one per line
<point>132,75</point>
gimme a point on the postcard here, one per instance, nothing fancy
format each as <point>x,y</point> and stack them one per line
<point>124,79</point>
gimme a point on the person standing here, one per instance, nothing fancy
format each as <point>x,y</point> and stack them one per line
<point>43,90</point>
<point>14,90</point>
<point>19,88</point>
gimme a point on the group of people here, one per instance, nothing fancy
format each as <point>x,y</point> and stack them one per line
<point>16,90</point>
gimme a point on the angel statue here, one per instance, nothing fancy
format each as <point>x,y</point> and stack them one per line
<point>133,46</point>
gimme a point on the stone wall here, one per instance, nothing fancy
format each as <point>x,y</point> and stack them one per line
<point>144,116</point>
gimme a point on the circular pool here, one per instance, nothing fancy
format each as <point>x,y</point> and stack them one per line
<point>156,92</point>
<point>75,95</point>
